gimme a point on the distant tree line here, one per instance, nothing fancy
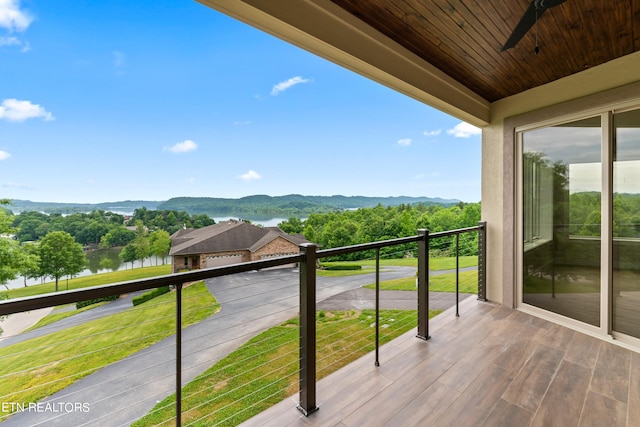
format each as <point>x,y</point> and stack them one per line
<point>294,205</point>
<point>36,245</point>
<point>352,227</point>
<point>90,228</point>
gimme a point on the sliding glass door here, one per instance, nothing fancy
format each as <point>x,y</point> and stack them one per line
<point>626,224</point>
<point>580,220</point>
<point>561,198</point>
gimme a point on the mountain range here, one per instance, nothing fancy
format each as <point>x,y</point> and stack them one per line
<point>257,205</point>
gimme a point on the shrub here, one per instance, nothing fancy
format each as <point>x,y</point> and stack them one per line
<point>150,295</point>
<point>343,267</point>
<point>81,304</point>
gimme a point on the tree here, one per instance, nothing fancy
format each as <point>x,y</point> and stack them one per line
<point>291,226</point>
<point>31,268</point>
<point>13,258</point>
<point>128,254</point>
<point>141,243</point>
<point>160,243</point>
<point>60,255</point>
<point>118,236</point>
<point>143,248</point>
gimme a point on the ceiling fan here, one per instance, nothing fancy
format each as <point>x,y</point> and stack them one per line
<point>528,20</point>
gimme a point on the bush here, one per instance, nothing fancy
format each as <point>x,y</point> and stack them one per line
<point>150,295</point>
<point>343,267</point>
<point>81,304</point>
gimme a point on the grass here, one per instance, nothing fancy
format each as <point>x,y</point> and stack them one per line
<point>54,317</point>
<point>34,369</point>
<point>264,371</point>
<point>343,273</point>
<point>92,280</point>
<point>435,264</point>
<point>468,283</point>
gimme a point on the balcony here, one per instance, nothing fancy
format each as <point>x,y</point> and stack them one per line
<point>477,363</point>
<point>492,366</point>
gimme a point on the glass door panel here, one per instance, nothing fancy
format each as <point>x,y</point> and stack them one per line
<point>561,178</point>
<point>626,224</point>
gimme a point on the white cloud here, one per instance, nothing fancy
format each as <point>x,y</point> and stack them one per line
<point>14,110</point>
<point>182,147</point>
<point>432,132</point>
<point>404,142</point>
<point>14,41</point>
<point>17,185</point>
<point>464,130</point>
<point>242,123</point>
<point>9,41</point>
<point>12,18</point>
<point>422,176</point>
<point>282,86</point>
<point>4,155</point>
<point>250,176</point>
<point>118,59</point>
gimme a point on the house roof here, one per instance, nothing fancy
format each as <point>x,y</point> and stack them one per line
<point>227,236</point>
<point>448,53</point>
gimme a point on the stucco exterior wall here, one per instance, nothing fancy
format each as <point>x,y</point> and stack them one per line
<point>492,207</point>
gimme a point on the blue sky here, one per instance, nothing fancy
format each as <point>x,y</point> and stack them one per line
<point>148,100</point>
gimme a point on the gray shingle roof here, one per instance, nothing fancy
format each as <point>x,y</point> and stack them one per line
<point>226,236</point>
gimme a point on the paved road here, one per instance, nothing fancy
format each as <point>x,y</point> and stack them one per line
<point>126,390</point>
<point>112,307</point>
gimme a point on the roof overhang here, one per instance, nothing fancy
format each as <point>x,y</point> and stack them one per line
<point>323,28</point>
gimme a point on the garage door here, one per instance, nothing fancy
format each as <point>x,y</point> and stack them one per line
<point>216,261</point>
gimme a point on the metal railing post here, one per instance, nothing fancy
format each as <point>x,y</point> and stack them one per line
<point>307,403</point>
<point>377,362</point>
<point>423,285</point>
<point>482,261</point>
<point>457,274</point>
<point>179,355</point>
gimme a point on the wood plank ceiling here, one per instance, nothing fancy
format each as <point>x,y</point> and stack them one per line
<point>464,38</point>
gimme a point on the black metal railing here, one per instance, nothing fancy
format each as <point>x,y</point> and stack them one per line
<point>307,260</point>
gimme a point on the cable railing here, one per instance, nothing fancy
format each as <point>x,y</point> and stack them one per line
<point>182,359</point>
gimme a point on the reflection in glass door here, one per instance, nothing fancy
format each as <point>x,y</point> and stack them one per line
<point>561,199</point>
<point>626,224</point>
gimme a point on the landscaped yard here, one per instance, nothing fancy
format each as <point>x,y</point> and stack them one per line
<point>36,368</point>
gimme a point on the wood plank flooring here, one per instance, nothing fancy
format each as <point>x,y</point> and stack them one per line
<point>492,366</point>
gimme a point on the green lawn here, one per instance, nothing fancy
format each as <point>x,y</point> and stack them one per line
<point>434,263</point>
<point>54,317</point>
<point>92,280</point>
<point>34,369</point>
<point>264,371</point>
<point>468,283</point>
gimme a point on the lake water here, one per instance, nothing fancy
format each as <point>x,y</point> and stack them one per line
<point>99,261</point>
<point>265,222</point>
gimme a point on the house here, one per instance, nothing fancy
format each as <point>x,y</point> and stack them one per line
<point>229,242</point>
<point>555,88</point>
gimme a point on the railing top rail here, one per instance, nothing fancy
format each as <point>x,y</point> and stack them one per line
<point>366,246</point>
<point>454,232</point>
<point>35,302</point>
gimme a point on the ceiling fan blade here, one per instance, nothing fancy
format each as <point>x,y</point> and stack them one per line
<point>526,22</point>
